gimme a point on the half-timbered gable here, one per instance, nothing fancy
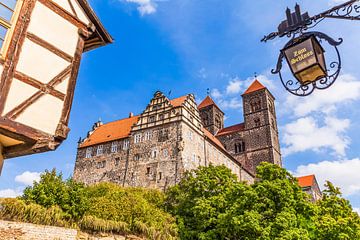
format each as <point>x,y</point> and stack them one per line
<point>41,42</point>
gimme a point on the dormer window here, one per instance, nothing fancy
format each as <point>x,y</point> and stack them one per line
<point>9,10</point>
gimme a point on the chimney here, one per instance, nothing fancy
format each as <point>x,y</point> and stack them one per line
<point>131,115</point>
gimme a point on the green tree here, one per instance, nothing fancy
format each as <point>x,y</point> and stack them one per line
<point>335,218</point>
<point>52,190</point>
<point>209,203</point>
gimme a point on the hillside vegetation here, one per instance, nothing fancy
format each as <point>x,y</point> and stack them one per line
<point>209,203</point>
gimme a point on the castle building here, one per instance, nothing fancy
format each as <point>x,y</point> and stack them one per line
<point>310,186</point>
<point>154,149</point>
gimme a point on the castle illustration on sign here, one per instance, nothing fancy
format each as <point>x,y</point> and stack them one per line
<point>171,136</point>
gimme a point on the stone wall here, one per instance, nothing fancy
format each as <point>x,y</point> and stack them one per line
<point>28,231</point>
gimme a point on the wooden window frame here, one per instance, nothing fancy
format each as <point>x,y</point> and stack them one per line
<point>10,28</point>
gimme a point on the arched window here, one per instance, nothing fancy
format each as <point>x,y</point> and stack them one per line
<point>240,147</point>
<point>257,122</point>
<point>255,104</point>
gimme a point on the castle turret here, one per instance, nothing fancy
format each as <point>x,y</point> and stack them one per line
<point>211,115</point>
<point>261,133</point>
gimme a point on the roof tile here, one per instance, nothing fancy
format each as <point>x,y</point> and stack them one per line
<point>306,181</point>
<point>231,129</point>
<point>110,131</point>
<point>255,86</point>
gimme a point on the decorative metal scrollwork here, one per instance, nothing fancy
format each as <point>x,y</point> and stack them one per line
<point>333,69</point>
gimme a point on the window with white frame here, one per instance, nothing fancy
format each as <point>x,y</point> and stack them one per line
<point>88,152</point>
<point>114,147</point>
<point>100,150</point>
<point>153,153</point>
<point>8,13</point>
<point>148,135</point>
<point>165,152</point>
<point>137,138</point>
<point>126,144</point>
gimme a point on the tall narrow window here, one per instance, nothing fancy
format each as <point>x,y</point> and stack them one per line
<point>137,138</point>
<point>126,144</point>
<point>137,157</point>
<point>100,150</point>
<point>153,153</point>
<point>148,135</point>
<point>7,18</point>
<point>88,152</point>
<point>114,147</point>
<point>257,122</point>
<point>239,147</point>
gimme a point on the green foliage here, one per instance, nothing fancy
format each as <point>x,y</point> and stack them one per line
<point>52,190</point>
<point>90,223</point>
<point>335,218</point>
<point>137,207</point>
<point>209,203</point>
<point>17,210</point>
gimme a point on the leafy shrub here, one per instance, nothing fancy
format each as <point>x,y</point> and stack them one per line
<point>17,210</point>
<point>138,207</point>
<point>90,223</point>
<point>52,190</point>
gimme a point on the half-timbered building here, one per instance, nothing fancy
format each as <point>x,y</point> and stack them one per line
<point>41,44</point>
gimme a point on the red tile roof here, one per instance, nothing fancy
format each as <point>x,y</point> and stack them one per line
<point>255,86</point>
<point>213,139</point>
<point>235,128</point>
<point>176,102</point>
<point>306,181</point>
<point>110,131</point>
<point>206,102</point>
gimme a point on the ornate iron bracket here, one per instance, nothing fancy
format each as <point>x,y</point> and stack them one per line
<point>293,86</point>
<point>297,22</point>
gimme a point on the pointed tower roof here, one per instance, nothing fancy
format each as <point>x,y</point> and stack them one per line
<point>255,86</point>
<point>206,102</point>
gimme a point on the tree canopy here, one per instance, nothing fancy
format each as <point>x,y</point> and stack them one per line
<point>209,203</point>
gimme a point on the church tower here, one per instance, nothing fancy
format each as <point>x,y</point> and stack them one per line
<point>261,133</point>
<point>211,115</point>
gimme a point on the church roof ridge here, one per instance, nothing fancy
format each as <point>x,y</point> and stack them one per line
<point>256,85</point>
<point>208,101</point>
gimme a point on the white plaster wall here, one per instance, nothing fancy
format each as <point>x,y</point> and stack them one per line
<point>63,86</point>
<point>19,92</point>
<point>54,29</point>
<point>39,63</point>
<point>44,114</point>
<point>80,13</point>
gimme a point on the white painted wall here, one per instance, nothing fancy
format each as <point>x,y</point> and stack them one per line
<point>54,29</point>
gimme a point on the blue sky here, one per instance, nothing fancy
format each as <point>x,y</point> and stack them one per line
<point>187,46</point>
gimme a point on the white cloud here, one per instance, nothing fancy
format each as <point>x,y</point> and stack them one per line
<point>343,174</point>
<point>27,177</point>
<point>306,134</point>
<point>346,89</point>
<point>144,6</point>
<point>233,103</point>
<point>215,93</point>
<point>234,86</point>
<point>357,210</point>
<point>10,193</point>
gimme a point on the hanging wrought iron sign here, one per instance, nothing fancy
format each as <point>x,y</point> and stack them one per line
<point>306,60</point>
<point>305,51</point>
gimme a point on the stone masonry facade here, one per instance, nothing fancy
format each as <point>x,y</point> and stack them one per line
<point>154,149</point>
